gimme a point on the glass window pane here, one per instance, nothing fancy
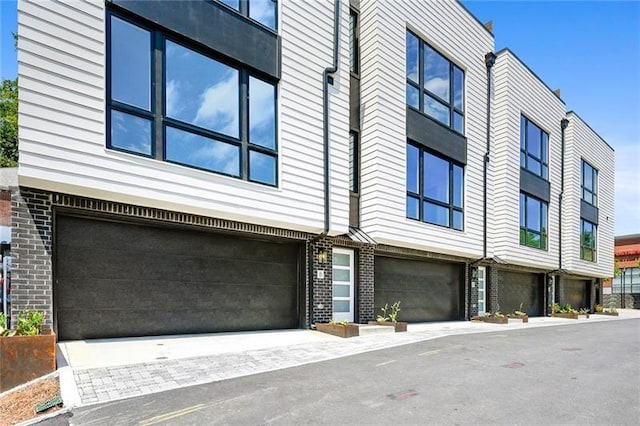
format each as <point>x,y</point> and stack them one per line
<point>340,290</point>
<point>523,236</point>
<point>413,97</point>
<point>353,162</point>
<point>436,214</point>
<point>534,166</point>
<point>262,168</point>
<point>263,11</point>
<point>545,172</point>
<point>533,140</point>
<point>436,178</point>
<point>544,216</point>
<point>413,208</point>
<point>353,43</point>
<point>436,110</point>
<point>232,3</point>
<point>201,91</point>
<point>413,168</point>
<point>341,306</point>
<point>544,148</point>
<point>458,220</point>
<point>458,88</point>
<point>262,113</point>
<point>522,210</point>
<point>341,275</point>
<point>412,58</point>
<point>205,153</point>
<point>436,74</point>
<point>130,64</point>
<point>595,182</point>
<point>533,240</point>
<point>523,159</point>
<point>130,132</point>
<point>458,186</point>
<point>543,241</point>
<point>523,130</point>
<point>340,259</point>
<point>458,122</point>
<point>533,214</point>
<point>587,178</point>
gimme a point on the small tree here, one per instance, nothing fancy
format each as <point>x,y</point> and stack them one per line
<point>9,120</point>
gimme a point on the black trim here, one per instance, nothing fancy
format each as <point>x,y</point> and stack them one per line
<point>435,136</point>
<point>563,127</point>
<point>544,232</point>
<point>583,246</point>
<point>535,185</point>
<point>594,183</point>
<point>589,212</point>
<point>528,155</point>
<point>489,60</point>
<point>215,26</point>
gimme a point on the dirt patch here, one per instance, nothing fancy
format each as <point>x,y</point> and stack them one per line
<point>18,406</point>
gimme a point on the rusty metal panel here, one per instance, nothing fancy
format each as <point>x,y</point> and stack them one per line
<point>25,358</point>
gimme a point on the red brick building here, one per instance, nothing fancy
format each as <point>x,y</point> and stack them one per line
<point>624,290</point>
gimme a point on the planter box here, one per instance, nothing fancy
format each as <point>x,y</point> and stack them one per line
<point>492,320</point>
<point>583,316</point>
<point>398,326</point>
<point>613,314</point>
<point>24,358</point>
<point>349,330</point>
<point>523,318</point>
<point>568,315</point>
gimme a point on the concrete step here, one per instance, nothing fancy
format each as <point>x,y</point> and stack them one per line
<point>365,330</point>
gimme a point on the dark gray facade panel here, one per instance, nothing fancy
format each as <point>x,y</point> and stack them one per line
<point>429,291</point>
<point>589,212</point>
<point>354,103</point>
<point>216,27</point>
<point>427,132</point>
<point>354,209</point>
<point>128,279</point>
<point>515,288</point>
<point>576,293</point>
<point>535,185</point>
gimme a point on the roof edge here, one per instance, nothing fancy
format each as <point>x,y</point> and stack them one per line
<point>475,18</point>
<point>591,128</point>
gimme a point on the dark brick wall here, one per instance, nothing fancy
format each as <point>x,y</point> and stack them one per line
<point>31,243</point>
<point>493,305</point>
<point>473,295</point>
<point>322,287</point>
<point>366,284</point>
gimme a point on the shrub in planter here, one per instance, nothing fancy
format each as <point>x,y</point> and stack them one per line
<point>497,318</point>
<point>27,352</point>
<point>340,329</point>
<point>389,317</point>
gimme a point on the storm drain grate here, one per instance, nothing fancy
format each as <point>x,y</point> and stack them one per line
<point>402,395</point>
<point>514,365</point>
<point>49,403</point>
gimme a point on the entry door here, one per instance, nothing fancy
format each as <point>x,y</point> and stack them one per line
<point>482,290</point>
<point>343,284</point>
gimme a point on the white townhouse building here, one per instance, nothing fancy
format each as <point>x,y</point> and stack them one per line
<point>226,165</point>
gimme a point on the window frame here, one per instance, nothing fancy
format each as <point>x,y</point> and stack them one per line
<point>544,218</point>
<point>354,161</point>
<point>244,9</point>
<point>160,122</point>
<point>423,198</point>
<point>544,162</point>
<point>420,86</point>
<point>354,37</point>
<point>593,249</point>
<point>594,183</point>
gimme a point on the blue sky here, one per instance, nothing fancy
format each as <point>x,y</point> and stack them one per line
<point>588,49</point>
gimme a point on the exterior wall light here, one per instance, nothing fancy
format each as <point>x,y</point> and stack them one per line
<point>323,255</point>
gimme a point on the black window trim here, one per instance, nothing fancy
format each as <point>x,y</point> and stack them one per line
<point>543,162</point>
<point>593,249</point>
<point>354,173</point>
<point>594,183</point>
<point>353,12</point>
<point>422,198</point>
<point>422,90</point>
<point>244,10</point>
<point>157,116</point>
<point>527,230</point>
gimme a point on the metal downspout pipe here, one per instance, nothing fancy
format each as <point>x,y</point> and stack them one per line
<point>489,60</point>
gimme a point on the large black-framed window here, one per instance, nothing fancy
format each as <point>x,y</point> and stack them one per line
<point>587,240</point>
<point>533,222</point>
<point>589,184</point>
<point>435,188</point>
<point>435,85</point>
<point>354,155</point>
<point>174,102</point>
<point>262,11</point>
<point>354,42</point>
<point>534,148</point>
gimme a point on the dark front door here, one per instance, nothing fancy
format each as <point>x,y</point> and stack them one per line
<point>515,288</point>
<point>117,279</point>
<point>429,291</point>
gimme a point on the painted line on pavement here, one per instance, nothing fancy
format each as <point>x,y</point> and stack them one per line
<point>385,363</point>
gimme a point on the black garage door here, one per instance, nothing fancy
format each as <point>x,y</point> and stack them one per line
<point>429,291</point>
<point>515,288</point>
<point>576,293</point>
<point>115,280</point>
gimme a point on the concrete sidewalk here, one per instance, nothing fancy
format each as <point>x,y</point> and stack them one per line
<point>97,371</point>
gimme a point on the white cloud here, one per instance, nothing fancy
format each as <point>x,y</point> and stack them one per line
<point>219,106</point>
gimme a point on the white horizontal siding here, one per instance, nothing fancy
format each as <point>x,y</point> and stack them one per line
<point>519,92</point>
<point>583,143</point>
<point>449,28</point>
<point>62,123</point>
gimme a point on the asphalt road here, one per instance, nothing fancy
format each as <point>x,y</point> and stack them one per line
<point>576,374</point>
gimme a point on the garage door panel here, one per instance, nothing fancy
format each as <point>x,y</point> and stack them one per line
<point>518,287</point>
<point>429,291</point>
<point>169,281</point>
<point>576,293</point>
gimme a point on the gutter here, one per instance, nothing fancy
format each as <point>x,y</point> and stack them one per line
<point>327,78</point>
<point>489,60</point>
<point>563,126</point>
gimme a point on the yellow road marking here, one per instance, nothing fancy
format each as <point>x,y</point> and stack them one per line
<point>171,415</point>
